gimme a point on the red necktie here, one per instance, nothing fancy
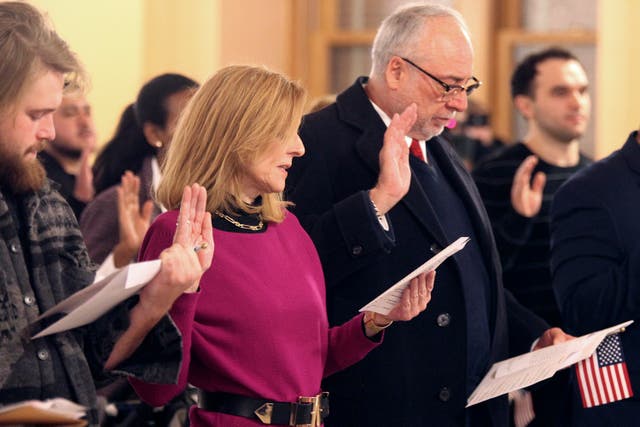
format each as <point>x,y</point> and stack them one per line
<point>416,150</point>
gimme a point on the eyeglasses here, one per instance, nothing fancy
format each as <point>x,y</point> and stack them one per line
<point>449,90</point>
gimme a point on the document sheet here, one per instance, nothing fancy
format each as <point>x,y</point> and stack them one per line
<point>48,412</point>
<point>88,304</point>
<point>385,302</point>
<point>530,368</point>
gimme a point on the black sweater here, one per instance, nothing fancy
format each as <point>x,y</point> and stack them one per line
<point>523,242</point>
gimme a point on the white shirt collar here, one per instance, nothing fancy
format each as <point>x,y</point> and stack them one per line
<point>156,176</point>
<point>387,120</point>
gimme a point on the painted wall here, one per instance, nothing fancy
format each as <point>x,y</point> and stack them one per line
<point>108,38</point>
<point>123,43</point>
<point>477,14</point>
<point>257,32</point>
<point>618,65</point>
<point>181,36</point>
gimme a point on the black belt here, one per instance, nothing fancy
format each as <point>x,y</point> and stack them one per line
<point>307,411</point>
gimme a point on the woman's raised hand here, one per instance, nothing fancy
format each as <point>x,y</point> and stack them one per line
<point>190,255</point>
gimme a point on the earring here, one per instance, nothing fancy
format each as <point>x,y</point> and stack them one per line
<point>158,144</point>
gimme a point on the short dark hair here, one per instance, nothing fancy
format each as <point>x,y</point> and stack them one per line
<point>525,72</point>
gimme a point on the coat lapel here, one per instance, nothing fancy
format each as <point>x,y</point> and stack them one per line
<point>463,185</point>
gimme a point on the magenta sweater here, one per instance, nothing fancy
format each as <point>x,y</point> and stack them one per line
<point>258,327</point>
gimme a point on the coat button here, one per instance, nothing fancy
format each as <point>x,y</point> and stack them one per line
<point>43,355</point>
<point>356,250</point>
<point>443,320</point>
<point>444,394</point>
<point>435,248</point>
<point>13,248</point>
<point>29,300</point>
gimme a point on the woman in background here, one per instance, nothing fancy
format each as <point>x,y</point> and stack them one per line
<point>145,129</point>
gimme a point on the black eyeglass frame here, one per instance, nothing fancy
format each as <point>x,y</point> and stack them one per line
<point>448,89</point>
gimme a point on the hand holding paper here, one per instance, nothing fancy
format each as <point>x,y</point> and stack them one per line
<point>414,300</point>
<point>90,303</point>
<point>392,297</point>
<point>415,297</point>
<point>529,368</point>
<point>552,336</point>
<point>161,281</point>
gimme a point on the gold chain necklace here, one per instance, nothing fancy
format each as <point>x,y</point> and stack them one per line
<point>238,224</point>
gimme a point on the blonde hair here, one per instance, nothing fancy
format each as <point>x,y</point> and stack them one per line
<point>232,119</point>
<point>29,46</point>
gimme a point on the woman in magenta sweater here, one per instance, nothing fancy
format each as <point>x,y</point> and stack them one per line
<point>256,339</point>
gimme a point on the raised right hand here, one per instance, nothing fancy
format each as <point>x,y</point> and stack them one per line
<point>133,221</point>
<point>180,272</point>
<point>526,196</point>
<point>182,266</point>
<point>395,173</point>
<point>83,188</point>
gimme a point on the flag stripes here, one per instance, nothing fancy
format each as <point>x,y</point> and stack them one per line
<point>603,378</point>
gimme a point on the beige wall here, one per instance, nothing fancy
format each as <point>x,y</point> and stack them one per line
<point>181,36</point>
<point>477,14</point>
<point>618,81</point>
<point>108,38</point>
<point>125,42</point>
<point>257,32</point>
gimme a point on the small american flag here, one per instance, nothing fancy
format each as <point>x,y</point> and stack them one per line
<point>603,377</point>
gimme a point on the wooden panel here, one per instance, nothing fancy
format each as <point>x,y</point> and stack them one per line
<point>509,14</point>
<point>355,38</point>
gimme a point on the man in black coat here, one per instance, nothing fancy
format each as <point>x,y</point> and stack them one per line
<point>550,90</point>
<point>375,213</point>
<point>595,263</point>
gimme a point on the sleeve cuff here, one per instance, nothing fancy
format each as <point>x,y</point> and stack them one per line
<point>360,227</point>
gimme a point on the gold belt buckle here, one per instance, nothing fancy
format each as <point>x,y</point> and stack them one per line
<point>264,413</point>
<point>316,410</point>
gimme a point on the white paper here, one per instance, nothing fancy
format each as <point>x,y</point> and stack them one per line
<point>385,302</point>
<point>90,303</point>
<point>56,411</point>
<point>529,368</point>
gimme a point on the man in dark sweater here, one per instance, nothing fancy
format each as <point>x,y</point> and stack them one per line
<point>549,89</point>
<point>66,157</point>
